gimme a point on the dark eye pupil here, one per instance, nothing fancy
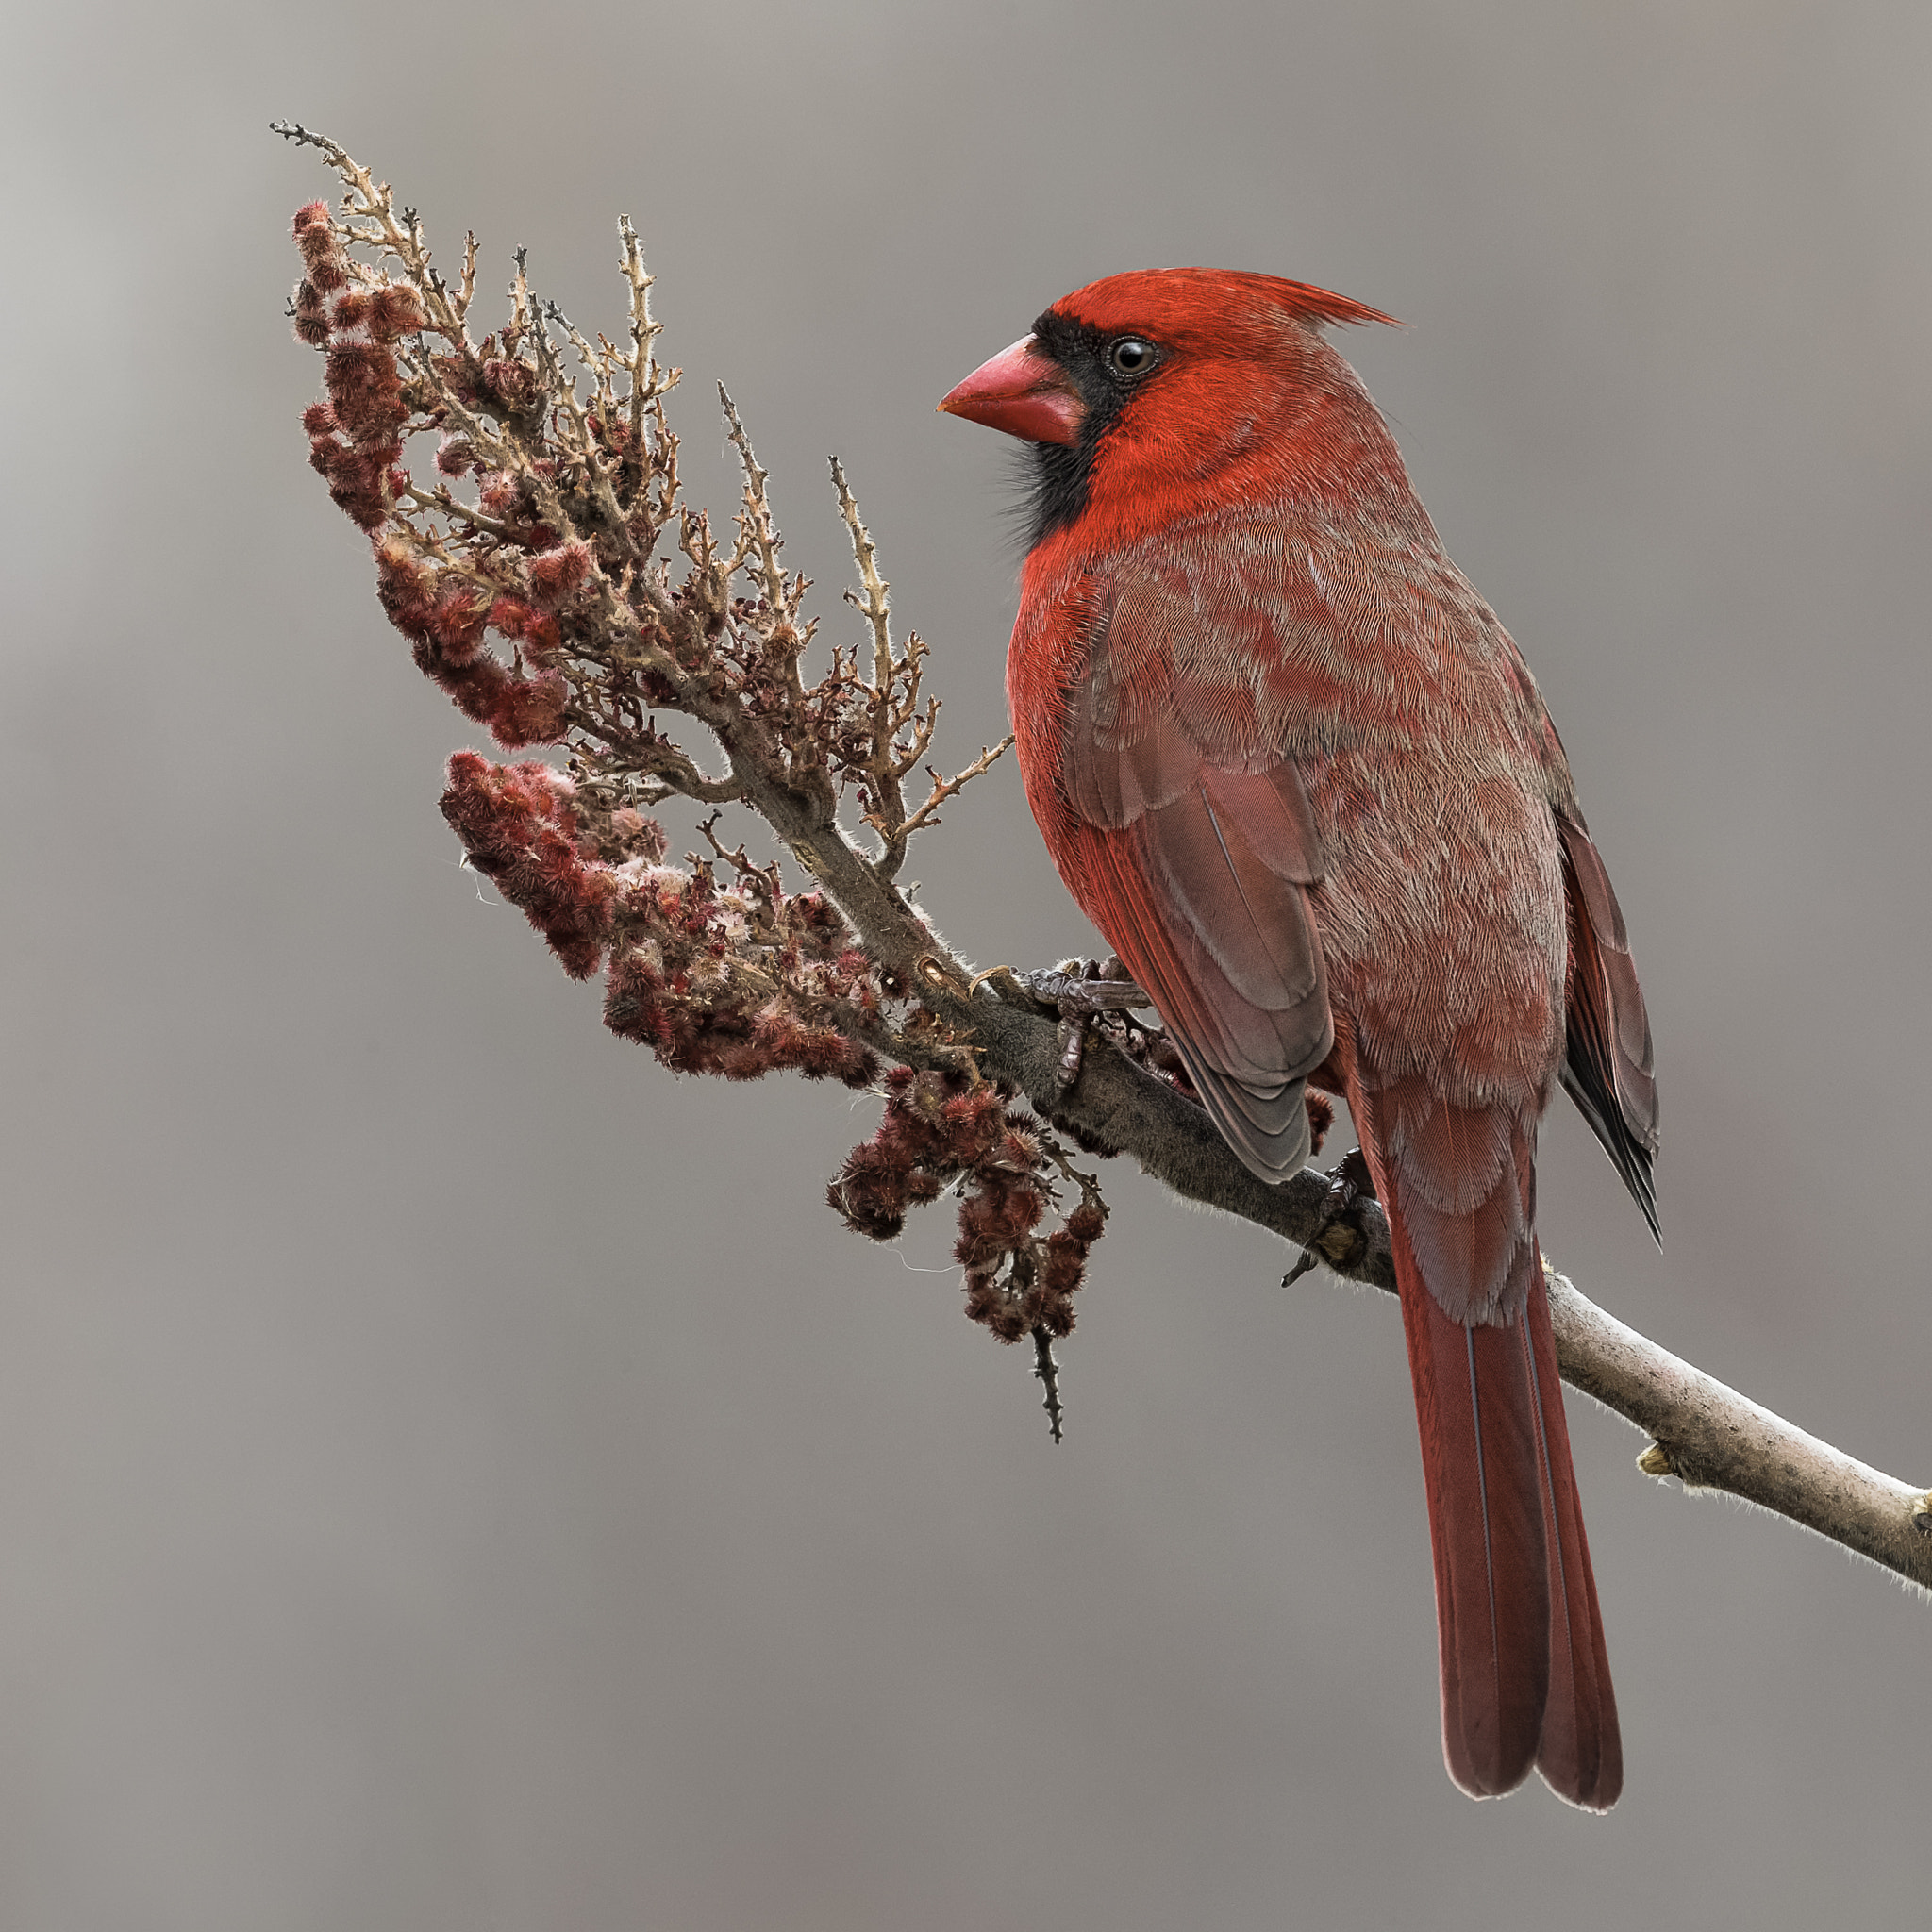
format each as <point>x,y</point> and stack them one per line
<point>1131,356</point>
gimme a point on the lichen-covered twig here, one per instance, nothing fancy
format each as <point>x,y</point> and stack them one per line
<point>541,602</point>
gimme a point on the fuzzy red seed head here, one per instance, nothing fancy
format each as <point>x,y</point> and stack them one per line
<point>994,1311</point>
<point>538,634</point>
<point>1021,1208</point>
<point>865,1212</point>
<point>400,572</point>
<point>368,513</point>
<point>973,1124</point>
<point>512,618</point>
<point>1054,1313</point>
<point>633,1000</point>
<point>356,480</point>
<point>860,1070</point>
<point>737,1059</point>
<point>517,826</point>
<point>556,574</point>
<point>395,312</point>
<point>311,321</point>
<point>1062,1265</point>
<point>823,1053</point>
<point>528,710</point>
<point>478,687</point>
<point>642,837</point>
<point>457,457</point>
<point>367,394</point>
<point>456,624</point>
<point>510,383</point>
<point>404,589</point>
<point>314,231</point>
<point>995,1221</point>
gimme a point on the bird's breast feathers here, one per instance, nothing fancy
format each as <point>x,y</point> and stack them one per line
<point>1361,652</point>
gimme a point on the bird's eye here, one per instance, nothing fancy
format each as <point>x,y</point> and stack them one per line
<point>1130,355</point>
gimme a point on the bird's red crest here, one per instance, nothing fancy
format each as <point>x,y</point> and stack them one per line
<point>1209,307</point>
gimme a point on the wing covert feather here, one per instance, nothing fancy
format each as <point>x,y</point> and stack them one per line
<point>1194,855</point>
<point>1608,1069</point>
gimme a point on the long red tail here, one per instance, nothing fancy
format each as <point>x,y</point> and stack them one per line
<point>1479,1423</point>
<point>1526,1677</point>
<point>1581,1751</point>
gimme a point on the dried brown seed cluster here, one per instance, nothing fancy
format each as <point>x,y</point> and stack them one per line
<point>742,979</point>
<point>520,830</point>
<point>547,601</point>
<point>939,1131</point>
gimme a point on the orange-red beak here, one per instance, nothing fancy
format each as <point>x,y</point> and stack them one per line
<point>1022,392</point>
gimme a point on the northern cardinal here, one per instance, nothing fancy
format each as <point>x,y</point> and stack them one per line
<point>1291,766</point>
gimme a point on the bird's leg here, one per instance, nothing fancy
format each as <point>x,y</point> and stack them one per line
<point>1082,996</point>
<point>1080,991</point>
<point>1337,1234</point>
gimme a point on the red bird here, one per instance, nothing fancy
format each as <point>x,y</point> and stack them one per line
<point>1290,764</point>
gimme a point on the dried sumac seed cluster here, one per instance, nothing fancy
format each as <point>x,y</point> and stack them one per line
<point>531,560</point>
<point>941,1131</point>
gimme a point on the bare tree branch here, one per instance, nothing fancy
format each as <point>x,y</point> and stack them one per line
<point>1707,1433</point>
<point>1711,1437</point>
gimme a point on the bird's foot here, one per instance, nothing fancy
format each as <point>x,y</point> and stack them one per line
<point>1079,992</point>
<point>1337,1235</point>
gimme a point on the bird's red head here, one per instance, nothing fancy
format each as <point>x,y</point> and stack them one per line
<point>1160,381</point>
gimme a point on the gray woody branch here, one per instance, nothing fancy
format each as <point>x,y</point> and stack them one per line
<point>1707,1435</point>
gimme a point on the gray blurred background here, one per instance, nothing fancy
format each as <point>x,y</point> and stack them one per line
<point>454,1475</point>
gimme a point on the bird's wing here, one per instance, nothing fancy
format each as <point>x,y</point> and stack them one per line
<point>1198,845</point>
<point>1607,1066</point>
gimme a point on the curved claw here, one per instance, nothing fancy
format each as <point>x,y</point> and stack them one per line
<point>1080,991</point>
<point>1349,1184</point>
<point>1082,987</point>
<point>1072,1046</point>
